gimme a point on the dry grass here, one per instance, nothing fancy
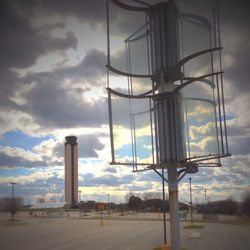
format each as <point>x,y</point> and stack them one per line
<point>193,226</point>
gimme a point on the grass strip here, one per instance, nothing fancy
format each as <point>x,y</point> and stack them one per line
<point>193,227</point>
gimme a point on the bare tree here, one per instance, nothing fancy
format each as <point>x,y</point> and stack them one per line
<point>128,195</point>
<point>152,195</point>
<point>246,204</point>
<point>135,203</point>
<point>11,205</point>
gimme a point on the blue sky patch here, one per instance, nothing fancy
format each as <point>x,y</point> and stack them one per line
<point>86,161</point>
<point>142,152</point>
<point>15,171</point>
<point>17,138</point>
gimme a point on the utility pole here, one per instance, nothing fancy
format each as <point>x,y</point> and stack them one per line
<point>205,200</point>
<point>191,202</point>
<point>13,200</point>
<point>108,204</point>
<point>13,191</point>
<point>79,195</point>
<point>79,203</point>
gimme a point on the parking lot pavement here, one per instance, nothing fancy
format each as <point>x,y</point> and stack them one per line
<point>57,234</point>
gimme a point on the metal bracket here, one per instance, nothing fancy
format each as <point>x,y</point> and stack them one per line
<point>163,177</point>
<point>188,170</point>
<point>181,173</point>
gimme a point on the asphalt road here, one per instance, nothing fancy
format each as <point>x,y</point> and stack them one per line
<point>59,234</point>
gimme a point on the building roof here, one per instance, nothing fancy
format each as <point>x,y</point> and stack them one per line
<point>49,205</point>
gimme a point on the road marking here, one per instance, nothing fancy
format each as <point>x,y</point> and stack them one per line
<point>195,235</point>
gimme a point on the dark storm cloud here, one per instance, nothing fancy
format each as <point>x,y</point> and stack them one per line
<point>233,130</point>
<point>239,145</point>
<point>92,11</point>
<point>52,105</point>
<point>49,103</point>
<point>89,180</point>
<point>21,44</point>
<point>8,85</point>
<point>17,161</point>
<point>91,67</point>
<point>233,13</point>
<point>235,33</point>
<point>87,146</point>
<point>11,160</point>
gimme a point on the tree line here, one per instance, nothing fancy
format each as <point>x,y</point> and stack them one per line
<point>11,205</point>
<point>153,202</point>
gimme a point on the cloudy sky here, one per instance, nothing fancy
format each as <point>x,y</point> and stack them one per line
<point>53,80</point>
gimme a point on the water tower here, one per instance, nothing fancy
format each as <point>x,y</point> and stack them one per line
<point>165,90</point>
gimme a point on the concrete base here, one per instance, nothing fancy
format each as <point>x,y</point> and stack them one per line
<point>165,247</point>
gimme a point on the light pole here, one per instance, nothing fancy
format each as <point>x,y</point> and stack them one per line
<point>13,190</point>
<point>191,203</point>
<point>13,200</point>
<point>79,202</point>
<point>205,200</point>
<point>108,203</point>
<point>79,196</point>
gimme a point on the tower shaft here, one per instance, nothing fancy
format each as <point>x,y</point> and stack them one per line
<point>71,171</point>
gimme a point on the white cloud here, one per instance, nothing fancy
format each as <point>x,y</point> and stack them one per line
<point>21,121</point>
<point>26,179</point>
<point>206,129</point>
<point>45,147</point>
<point>21,153</point>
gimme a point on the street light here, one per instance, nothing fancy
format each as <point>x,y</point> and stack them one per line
<point>191,203</point>
<point>13,200</point>
<point>13,190</point>
<point>205,200</point>
<point>108,203</point>
<point>79,202</point>
<point>79,195</point>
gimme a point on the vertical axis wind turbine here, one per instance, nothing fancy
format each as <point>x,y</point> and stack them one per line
<point>165,91</point>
